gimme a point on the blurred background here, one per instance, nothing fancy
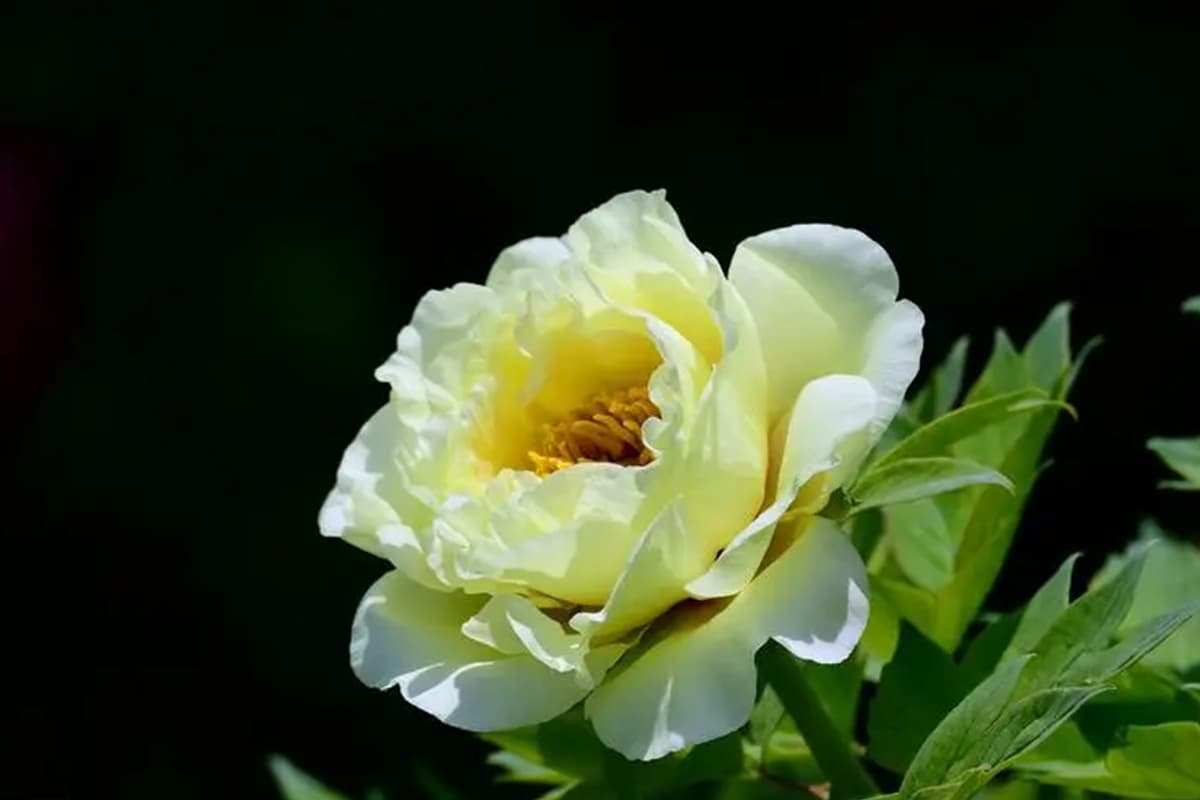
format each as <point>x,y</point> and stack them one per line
<point>214,221</point>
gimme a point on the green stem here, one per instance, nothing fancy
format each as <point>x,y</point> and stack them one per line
<point>829,747</point>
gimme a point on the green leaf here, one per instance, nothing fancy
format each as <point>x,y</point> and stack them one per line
<point>1030,694</point>
<point>917,689</point>
<point>938,394</point>
<point>295,784</point>
<point>1183,456</point>
<point>518,769</point>
<point>922,542</point>
<point>1145,761</point>
<point>1192,306</point>
<point>1164,759</point>
<point>1046,606</point>
<point>937,436</point>
<point>1171,577</point>
<point>980,521</point>
<point>914,478</point>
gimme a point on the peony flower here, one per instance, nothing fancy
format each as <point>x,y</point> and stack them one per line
<point>598,476</point>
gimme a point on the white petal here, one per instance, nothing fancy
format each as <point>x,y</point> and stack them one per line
<point>409,636</point>
<point>694,680</point>
<point>815,292</point>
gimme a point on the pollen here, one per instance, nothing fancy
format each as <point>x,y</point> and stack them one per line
<point>608,427</point>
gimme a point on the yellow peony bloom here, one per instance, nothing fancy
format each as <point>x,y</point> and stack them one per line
<point>597,475</point>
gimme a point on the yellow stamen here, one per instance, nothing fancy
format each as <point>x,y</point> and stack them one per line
<point>607,427</point>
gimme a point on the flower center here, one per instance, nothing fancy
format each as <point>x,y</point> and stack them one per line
<point>608,427</point>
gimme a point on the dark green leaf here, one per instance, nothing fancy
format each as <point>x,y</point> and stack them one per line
<point>295,784</point>
<point>917,688</point>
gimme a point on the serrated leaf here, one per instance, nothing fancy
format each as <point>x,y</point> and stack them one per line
<point>295,784</point>
<point>916,689</point>
<point>1171,577</point>
<point>914,478</point>
<point>1181,455</point>
<point>1192,306</point>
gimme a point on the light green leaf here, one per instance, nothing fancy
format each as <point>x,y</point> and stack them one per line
<point>917,688</point>
<point>1164,759</point>
<point>1140,761</point>
<point>1192,306</point>
<point>1171,577</point>
<point>914,478</point>
<point>922,542</point>
<point>1183,456</point>
<point>295,784</point>
<point>982,520</point>
<point>937,436</point>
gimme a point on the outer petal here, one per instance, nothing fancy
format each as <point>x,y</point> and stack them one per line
<point>816,291</point>
<point>820,440</point>
<point>695,680</point>
<point>527,260</point>
<point>363,506</point>
<point>409,636</point>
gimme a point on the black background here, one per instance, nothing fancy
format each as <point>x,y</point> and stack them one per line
<point>214,221</point>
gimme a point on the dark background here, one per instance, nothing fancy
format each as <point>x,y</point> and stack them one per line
<point>214,221</point>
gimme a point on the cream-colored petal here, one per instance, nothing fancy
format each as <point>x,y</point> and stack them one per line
<point>409,636</point>
<point>694,680</point>
<point>527,261</point>
<point>893,355</point>
<point>663,561</point>
<point>823,435</point>
<point>369,499</point>
<point>641,223</point>
<point>815,292</point>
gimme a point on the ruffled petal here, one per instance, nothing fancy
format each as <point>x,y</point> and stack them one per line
<point>816,292</point>
<point>693,679</point>
<point>409,636</point>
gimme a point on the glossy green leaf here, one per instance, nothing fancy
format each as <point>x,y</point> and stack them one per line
<point>1183,456</point>
<point>914,478</point>
<point>295,784</point>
